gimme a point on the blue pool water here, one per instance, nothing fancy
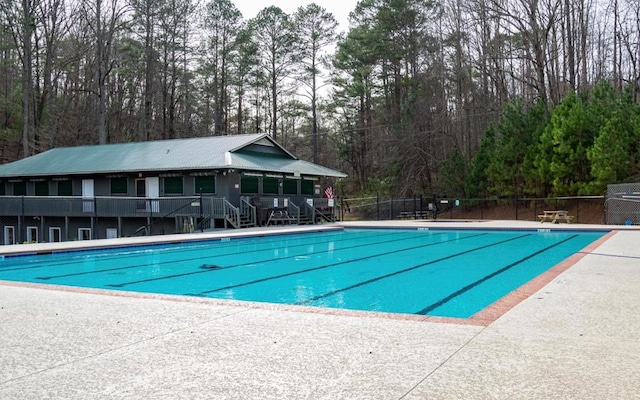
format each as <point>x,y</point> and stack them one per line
<point>429,272</point>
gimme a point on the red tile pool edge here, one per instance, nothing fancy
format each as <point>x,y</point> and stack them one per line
<point>482,318</point>
<point>506,303</point>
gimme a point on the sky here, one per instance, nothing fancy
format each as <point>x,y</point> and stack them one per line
<point>339,8</point>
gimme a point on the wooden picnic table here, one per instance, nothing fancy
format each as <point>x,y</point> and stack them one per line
<point>555,216</point>
<point>416,214</point>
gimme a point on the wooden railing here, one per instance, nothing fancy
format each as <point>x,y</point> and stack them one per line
<point>249,210</point>
<point>231,214</point>
<point>59,206</point>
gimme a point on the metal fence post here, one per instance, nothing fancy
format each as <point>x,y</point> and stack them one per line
<point>415,211</point>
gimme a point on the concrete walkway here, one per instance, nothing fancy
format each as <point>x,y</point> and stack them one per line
<point>576,338</point>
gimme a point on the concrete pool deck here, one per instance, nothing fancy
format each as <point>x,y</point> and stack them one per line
<point>575,337</point>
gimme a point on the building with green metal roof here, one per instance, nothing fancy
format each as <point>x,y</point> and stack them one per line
<point>158,187</point>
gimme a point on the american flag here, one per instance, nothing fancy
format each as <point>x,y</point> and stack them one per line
<point>329,192</point>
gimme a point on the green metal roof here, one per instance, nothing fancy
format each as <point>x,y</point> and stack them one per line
<point>251,152</point>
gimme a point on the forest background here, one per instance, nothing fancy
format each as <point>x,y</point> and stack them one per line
<point>465,98</point>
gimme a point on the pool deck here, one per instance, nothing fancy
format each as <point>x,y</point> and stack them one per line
<point>570,335</point>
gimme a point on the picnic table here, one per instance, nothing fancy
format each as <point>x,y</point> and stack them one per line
<point>555,216</point>
<point>280,215</point>
<point>416,214</point>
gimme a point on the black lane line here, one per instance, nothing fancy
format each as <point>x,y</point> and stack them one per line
<point>129,256</point>
<point>465,289</point>
<point>328,266</point>
<point>173,261</point>
<point>270,259</point>
<point>101,258</point>
<point>379,278</point>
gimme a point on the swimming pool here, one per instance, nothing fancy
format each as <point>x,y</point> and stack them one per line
<point>436,272</point>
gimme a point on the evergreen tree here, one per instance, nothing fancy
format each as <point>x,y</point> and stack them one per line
<point>518,130</point>
<point>476,184</point>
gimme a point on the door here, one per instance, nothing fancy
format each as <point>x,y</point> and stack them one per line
<point>55,234</point>
<point>87,195</point>
<point>9,235</point>
<point>148,187</point>
<point>153,190</point>
<point>141,191</point>
<point>32,234</point>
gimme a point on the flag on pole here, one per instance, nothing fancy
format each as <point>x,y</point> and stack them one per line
<point>329,192</point>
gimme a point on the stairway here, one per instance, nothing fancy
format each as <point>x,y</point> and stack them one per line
<point>245,221</point>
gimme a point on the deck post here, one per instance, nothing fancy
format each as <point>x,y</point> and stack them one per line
<point>201,219</point>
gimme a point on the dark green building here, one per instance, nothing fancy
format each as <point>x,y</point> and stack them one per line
<point>159,187</point>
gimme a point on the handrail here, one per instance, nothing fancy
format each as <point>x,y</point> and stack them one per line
<point>296,211</point>
<point>329,217</point>
<point>310,209</point>
<point>231,211</point>
<point>248,208</point>
<point>154,220</point>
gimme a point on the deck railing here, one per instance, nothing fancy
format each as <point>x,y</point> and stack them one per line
<point>323,208</point>
<point>231,213</point>
<point>249,210</point>
<point>59,206</point>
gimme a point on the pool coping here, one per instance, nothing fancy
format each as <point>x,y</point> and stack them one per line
<point>59,247</point>
<point>47,248</point>
<point>483,318</point>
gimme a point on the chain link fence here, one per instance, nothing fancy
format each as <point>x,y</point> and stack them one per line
<point>623,204</point>
<point>582,209</point>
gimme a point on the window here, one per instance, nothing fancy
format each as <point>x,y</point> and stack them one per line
<point>205,184</point>
<point>270,185</point>
<point>306,187</point>
<point>249,184</point>
<point>19,188</point>
<point>2,192</point>
<point>119,186</point>
<point>173,185</point>
<point>65,188</point>
<point>55,234</point>
<point>42,188</point>
<point>290,186</point>
<point>84,233</point>
<point>9,235</point>
<point>32,234</point>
